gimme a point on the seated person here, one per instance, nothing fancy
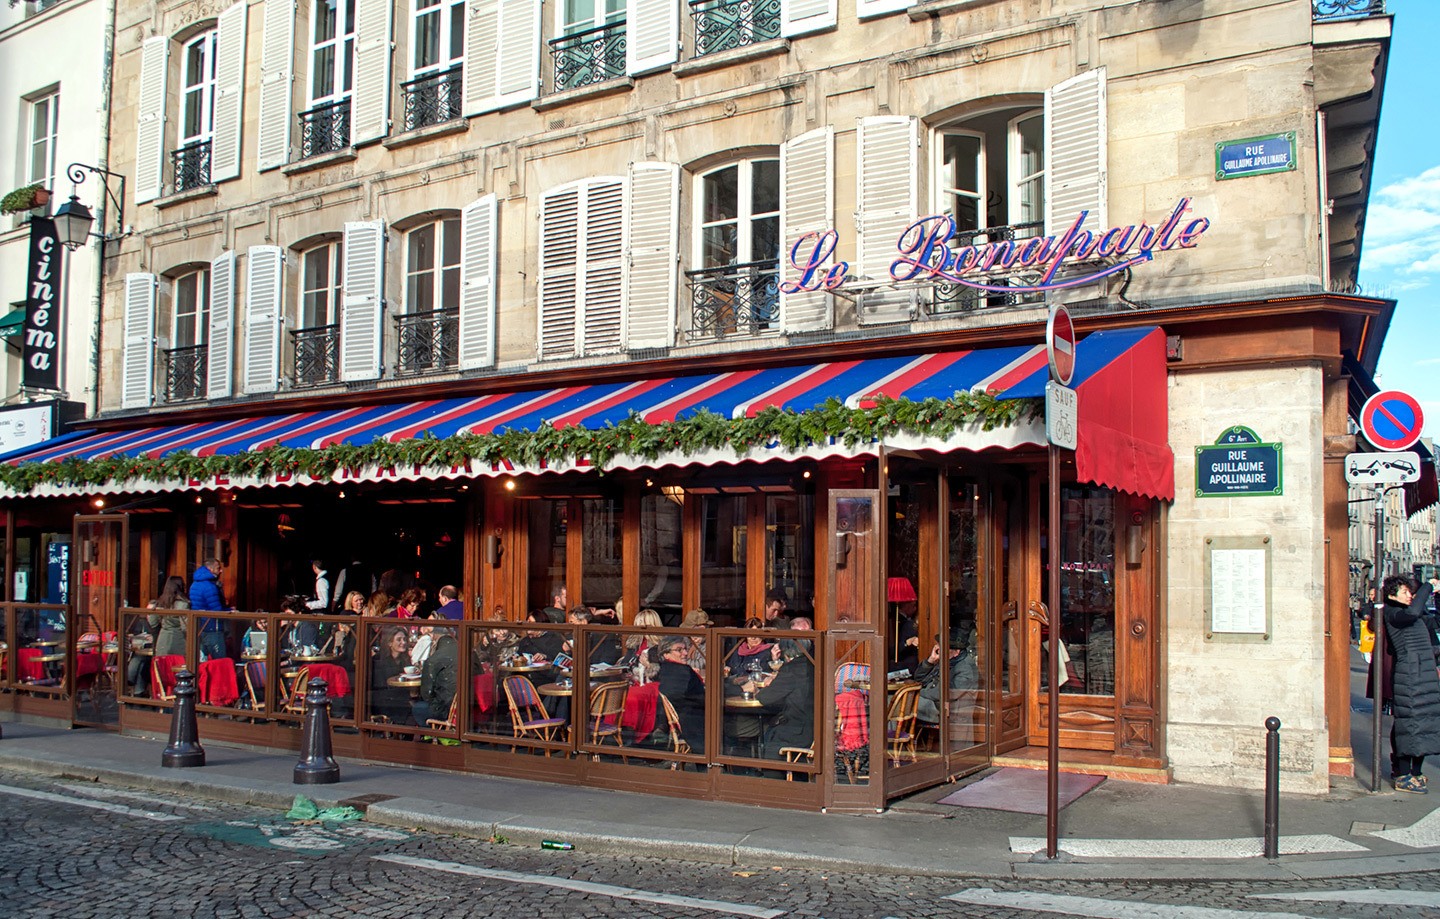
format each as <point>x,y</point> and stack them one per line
<point>684,688</point>
<point>546,644</point>
<point>752,655</point>
<point>438,680</point>
<point>963,673</point>
<point>791,695</point>
<point>392,657</point>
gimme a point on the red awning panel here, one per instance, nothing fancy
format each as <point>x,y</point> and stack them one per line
<point>1124,424</point>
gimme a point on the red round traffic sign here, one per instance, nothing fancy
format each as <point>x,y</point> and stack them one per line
<point>1060,345</point>
<point>1392,420</point>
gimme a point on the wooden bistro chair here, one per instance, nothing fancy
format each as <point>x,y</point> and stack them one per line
<point>900,723</point>
<point>162,675</point>
<point>528,716</point>
<point>447,724</point>
<point>678,743</point>
<point>294,697</point>
<point>255,684</point>
<point>607,708</point>
<point>847,672</point>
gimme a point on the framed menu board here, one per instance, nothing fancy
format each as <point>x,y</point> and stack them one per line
<point>1237,588</point>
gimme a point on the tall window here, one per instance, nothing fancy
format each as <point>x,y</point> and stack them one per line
<point>197,90</point>
<point>590,14</point>
<point>432,267</point>
<point>590,47</point>
<point>192,309</point>
<point>439,38</point>
<point>320,286</point>
<point>737,249</point>
<point>962,178</point>
<point>44,129</point>
<point>332,51</point>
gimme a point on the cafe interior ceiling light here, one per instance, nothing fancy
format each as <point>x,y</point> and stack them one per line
<point>674,493</point>
<point>631,437</point>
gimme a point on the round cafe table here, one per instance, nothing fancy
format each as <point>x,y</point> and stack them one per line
<point>404,682</point>
<point>51,658</point>
<point>48,643</point>
<point>556,689</point>
<point>312,658</point>
<point>742,703</point>
<point>526,668</point>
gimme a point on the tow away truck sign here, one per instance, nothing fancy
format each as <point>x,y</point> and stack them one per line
<point>1382,468</point>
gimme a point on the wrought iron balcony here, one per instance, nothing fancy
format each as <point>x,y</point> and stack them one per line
<point>955,298</point>
<point>185,373</point>
<point>428,342</point>
<point>317,355</point>
<point>735,299</point>
<point>589,57</point>
<point>1328,10</point>
<point>432,99</point>
<point>325,129</point>
<point>192,166</point>
<point>723,25</point>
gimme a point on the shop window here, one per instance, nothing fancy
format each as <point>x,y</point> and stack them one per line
<point>325,124</point>
<point>185,359</point>
<point>661,547</point>
<point>1087,590</point>
<point>316,342</point>
<point>437,42</point>
<point>790,552</point>
<point>428,329</point>
<point>723,535</point>
<point>547,522</point>
<point>601,574</point>
<point>737,249</point>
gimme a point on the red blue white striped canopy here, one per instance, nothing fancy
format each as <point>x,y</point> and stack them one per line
<point>1008,373</point>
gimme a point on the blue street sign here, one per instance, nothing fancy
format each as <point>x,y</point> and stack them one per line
<point>1254,156</point>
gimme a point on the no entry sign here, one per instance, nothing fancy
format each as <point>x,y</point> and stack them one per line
<point>1392,420</point>
<point>1060,345</point>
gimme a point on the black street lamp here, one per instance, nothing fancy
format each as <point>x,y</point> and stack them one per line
<point>73,219</point>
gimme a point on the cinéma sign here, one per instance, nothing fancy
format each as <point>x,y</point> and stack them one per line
<point>926,253</point>
<point>40,350</point>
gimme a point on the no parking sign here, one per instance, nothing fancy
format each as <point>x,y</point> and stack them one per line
<point>1392,420</point>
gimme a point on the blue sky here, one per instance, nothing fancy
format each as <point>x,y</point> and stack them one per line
<point>1400,257</point>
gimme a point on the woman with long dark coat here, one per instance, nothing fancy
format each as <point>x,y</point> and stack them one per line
<point>1416,731</point>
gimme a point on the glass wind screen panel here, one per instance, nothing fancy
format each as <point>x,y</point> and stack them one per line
<point>850,682</point>
<point>1087,589</point>
<point>548,523</point>
<point>661,547</point>
<point>722,557</point>
<point>601,572</point>
<point>952,686</point>
<point>770,705</point>
<point>790,552</point>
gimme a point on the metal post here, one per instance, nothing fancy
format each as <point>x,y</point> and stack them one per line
<point>317,766</point>
<point>1052,778</point>
<point>184,748</point>
<point>1377,653</point>
<point>1272,787</point>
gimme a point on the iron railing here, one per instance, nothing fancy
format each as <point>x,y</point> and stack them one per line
<point>428,342</point>
<point>735,299</point>
<point>1326,10</point>
<point>325,129</point>
<point>192,166</point>
<point>185,373</point>
<point>723,25</point>
<point>317,355</point>
<point>589,57</point>
<point>953,298</point>
<point>432,99</point>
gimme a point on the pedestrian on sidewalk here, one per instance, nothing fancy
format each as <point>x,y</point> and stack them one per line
<point>1415,732</point>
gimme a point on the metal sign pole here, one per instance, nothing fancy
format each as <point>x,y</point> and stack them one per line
<point>1377,652</point>
<point>1052,778</point>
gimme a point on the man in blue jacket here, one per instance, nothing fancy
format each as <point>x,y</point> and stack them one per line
<point>205,593</point>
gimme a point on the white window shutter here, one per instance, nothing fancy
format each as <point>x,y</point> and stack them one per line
<point>807,204</point>
<point>264,280</point>
<point>230,29</point>
<point>1075,152</point>
<point>478,249</point>
<point>864,9</point>
<point>150,127</point>
<point>559,265</point>
<point>277,62</point>
<point>653,224</point>
<point>362,301</point>
<point>219,345</point>
<point>137,371</point>
<point>653,34</point>
<point>798,17</point>
<point>602,267</point>
<point>370,103</point>
<point>886,178</point>
<point>502,54</point>
<point>482,54</point>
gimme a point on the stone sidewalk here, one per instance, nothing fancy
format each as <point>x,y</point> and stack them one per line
<point>1119,830</point>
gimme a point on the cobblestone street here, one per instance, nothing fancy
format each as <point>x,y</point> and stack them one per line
<point>78,850</point>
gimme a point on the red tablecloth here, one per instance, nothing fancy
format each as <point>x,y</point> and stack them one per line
<point>337,681</point>
<point>217,684</point>
<point>640,705</point>
<point>88,662</point>
<point>31,670</point>
<point>484,691</point>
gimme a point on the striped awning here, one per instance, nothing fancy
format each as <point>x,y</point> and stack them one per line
<point>1008,373</point>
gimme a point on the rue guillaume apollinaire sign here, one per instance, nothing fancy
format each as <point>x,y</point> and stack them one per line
<point>1236,465</point>
<point>926,254</point>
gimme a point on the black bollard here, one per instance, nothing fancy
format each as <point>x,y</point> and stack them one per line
<point>1272,787</point>
<point>184,748</point>
<point>317,766</point>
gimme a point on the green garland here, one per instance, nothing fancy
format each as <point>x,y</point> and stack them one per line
<point>936,418</point>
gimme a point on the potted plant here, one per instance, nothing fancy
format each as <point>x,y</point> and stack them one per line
<point>25,198</point>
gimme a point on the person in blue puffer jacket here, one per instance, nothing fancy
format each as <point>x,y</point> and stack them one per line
<point>206,594</point>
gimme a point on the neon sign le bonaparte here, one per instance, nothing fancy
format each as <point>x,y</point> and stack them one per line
<point>925,253</point>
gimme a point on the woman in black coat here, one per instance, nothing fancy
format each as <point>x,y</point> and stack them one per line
<point>1416,731</point>
<point>791,696</point>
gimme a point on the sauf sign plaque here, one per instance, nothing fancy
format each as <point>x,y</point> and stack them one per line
<point>40,351</point>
